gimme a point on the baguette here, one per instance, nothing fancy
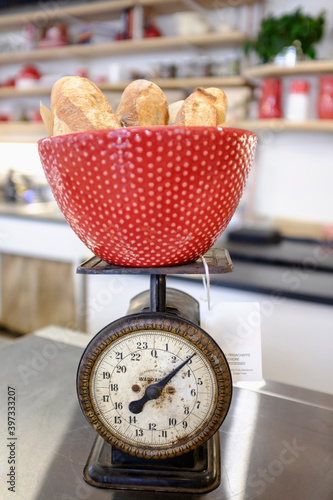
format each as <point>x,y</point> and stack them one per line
<point>77,105</point>
<point>203,108</point>
<point>220,103</point>
<point>142,104</point>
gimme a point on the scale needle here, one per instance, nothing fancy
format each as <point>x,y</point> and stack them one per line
<point>153,391</point>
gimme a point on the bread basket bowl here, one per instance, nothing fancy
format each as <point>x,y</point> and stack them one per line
<point>148,196</point>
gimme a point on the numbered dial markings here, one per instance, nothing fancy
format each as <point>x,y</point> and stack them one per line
<point>124,370</point>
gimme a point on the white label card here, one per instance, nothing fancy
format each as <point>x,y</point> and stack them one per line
<point>235,326</point>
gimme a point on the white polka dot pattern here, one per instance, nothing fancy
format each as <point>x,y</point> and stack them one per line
<point>152,196</point>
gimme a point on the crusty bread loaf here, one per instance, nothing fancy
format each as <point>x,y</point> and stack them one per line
<point>204,107</point>
<point>197,110</point>
<point>78,105</point>
<point>220,103</point>
<point>142,103</point>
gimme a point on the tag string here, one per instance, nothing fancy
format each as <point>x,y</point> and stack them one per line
<point>206,280</point>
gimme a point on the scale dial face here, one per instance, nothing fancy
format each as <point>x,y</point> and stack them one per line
<point>154,386</point>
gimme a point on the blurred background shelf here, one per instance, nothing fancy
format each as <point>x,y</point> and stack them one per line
<point>280,125</point>
<point>176,83</point>
<point>119,47</point>
<point>175,58</point>
<point>31,132</point>
<point>38,90</point>
<point>106,10</point>
<point>21,131</point>
<point>164,83</point>
<point>300,68</point>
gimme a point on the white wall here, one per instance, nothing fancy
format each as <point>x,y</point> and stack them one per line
<point>294,176</point>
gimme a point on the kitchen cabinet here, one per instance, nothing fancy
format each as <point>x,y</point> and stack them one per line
<point>39,254</point>
<point>35,292</point>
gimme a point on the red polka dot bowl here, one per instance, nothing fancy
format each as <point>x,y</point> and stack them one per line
<point>148,196</point>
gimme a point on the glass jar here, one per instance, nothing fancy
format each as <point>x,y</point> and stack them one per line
<point>325,98</point>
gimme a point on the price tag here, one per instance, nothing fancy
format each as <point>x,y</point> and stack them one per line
<point>235,326</point>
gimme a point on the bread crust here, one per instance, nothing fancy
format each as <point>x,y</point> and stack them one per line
<point>203,108</point>
<point>142,104</point>
<point>220,103</point>
<point>78,105</point>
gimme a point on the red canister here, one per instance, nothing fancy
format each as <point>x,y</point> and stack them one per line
<point>270,100</point>
<point>325,98</point>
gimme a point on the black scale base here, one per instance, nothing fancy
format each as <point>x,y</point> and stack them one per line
<point>198,471</point>
<point>195,472</point>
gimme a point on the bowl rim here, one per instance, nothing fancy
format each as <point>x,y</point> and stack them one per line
<point>142,130</point>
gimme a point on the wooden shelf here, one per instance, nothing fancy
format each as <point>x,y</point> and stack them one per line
<point>106,10</point>
<point>32,132</point>
<point>280,125</point>
<point>181,83</point>
<point>300,68</point>
<point>8,92</point>
<point>164,83</point>
<point>124,47</point>
<point>103,11</point>
<point>201,81</point>
<point>22,131</point>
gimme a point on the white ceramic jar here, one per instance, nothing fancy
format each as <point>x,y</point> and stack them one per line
<point>297,105</point>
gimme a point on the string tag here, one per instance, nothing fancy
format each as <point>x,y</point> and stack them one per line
<point>206,280</point>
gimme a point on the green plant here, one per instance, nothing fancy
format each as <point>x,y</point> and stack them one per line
<point>279,32</point>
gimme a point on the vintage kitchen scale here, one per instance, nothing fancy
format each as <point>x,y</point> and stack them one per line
<point>154,385</point>
<point>156,388</point>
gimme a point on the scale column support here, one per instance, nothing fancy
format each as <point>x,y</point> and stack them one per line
<point>158,293</point>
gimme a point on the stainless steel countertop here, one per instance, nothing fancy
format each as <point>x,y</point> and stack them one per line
<point>276,443</point>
